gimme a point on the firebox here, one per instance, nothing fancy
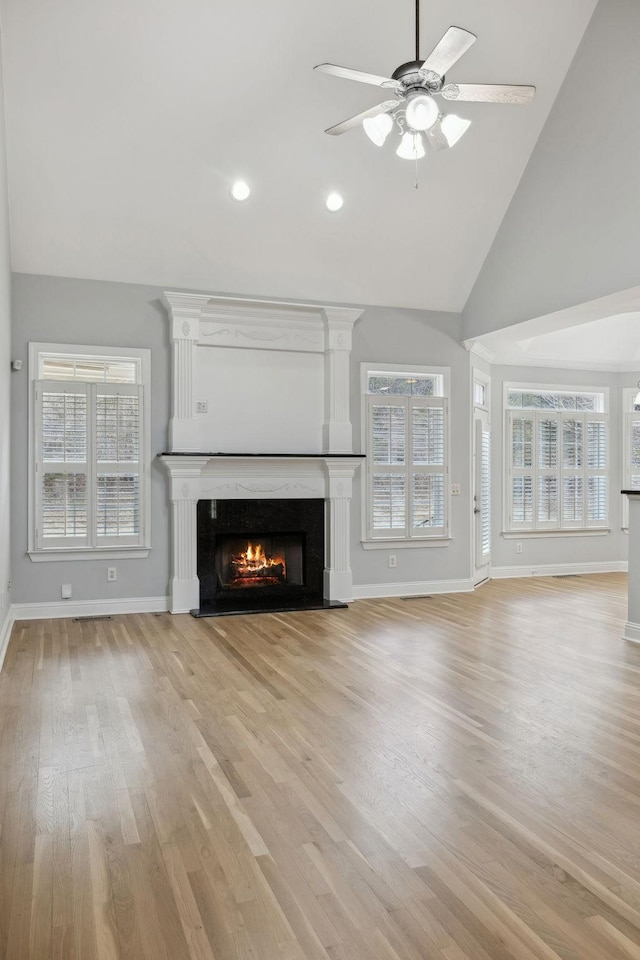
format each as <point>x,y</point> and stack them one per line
<point>256,555</point>
<point>260,561</point>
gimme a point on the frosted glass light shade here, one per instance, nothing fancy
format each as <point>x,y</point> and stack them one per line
<point>454,127</point>
<point>378,128</point>
<point>334,202</point>
<point>240,190</point>
<point>411,147</point>
<point>422,112</point>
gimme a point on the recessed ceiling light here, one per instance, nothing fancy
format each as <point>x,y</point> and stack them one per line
<point>334,202</point>
<point>240,190</point>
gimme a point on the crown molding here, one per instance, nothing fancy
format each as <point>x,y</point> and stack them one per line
<point>479,350</point>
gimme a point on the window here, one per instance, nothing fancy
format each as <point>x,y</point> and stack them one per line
<point>557,476</point>
<point>479,394</point>
<point>630,449</point>
<point>89,451</point>
<point>406,443</point>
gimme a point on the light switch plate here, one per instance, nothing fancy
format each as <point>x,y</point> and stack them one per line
<point>202,406</point>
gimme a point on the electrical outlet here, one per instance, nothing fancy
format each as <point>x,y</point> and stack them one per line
<point>112,574</point>
<point>202,406</point>
<point>8,586</point>
<point>518,548</point>
<point>393,560</point>
<point>65,591</point>
<point>455,490</point>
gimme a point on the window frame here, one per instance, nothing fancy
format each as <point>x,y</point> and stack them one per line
<point>111,551</point>
<point>368,541</point>
<point>628,417</point>
<point>538,528</point>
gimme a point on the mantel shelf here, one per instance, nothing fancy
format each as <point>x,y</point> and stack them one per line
<point>268,456</point>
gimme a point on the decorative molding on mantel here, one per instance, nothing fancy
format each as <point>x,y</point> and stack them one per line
<point>193,478</point>
<point>201,320</point>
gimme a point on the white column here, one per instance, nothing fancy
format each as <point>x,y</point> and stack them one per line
<point>184,474</point>
<point>337,433</point>
<point>185,311</point>
<point>338,578</point>
<point>185,585</point>
<point>632,626</point>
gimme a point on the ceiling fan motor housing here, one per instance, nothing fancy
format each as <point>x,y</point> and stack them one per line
<point>412,77</point>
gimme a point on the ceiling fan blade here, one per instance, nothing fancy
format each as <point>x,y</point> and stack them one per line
<point>348,74</point>
<point>385,107</point>
<point>455,42</point>
<point>488,92</point>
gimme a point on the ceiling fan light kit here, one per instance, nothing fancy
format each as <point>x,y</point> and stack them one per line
<point>411,146</point>
<point>415,84</point>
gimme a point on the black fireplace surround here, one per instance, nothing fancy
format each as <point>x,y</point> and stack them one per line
<point>289,533</point>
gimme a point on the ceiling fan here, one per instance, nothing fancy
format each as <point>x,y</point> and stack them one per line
<point>415,85</point>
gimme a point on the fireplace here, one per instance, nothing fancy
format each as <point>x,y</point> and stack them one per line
<point>259,562</point>
<point>260,555</point>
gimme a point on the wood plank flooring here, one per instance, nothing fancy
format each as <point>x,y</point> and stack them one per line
<point>455,778</point>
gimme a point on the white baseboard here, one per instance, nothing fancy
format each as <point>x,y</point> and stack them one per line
<point>5,633</point>
<point>559,569</point>
<point>88,608</point>
<point>631,632</point>
<point>371,591</point>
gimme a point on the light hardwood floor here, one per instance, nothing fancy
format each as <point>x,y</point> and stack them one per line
<point>455,778</point>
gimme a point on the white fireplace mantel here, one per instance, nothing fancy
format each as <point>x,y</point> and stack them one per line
<point>236,477</point>
<point>258,331</point>
<point>202,320</point>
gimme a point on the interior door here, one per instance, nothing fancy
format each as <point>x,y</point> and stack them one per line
<point>481,496</point>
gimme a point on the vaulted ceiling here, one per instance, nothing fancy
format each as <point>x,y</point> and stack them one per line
<point>127,121</point>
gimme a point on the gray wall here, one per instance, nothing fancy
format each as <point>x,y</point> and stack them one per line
<point>571,233</point>
<point>113,314</point>
<point>97,314</point>
<point>558,549</point>
<point>387,335</point>
<point>5,375</point>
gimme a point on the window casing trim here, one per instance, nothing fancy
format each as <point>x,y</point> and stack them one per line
<point>142,357</point>
<point>441,539</point>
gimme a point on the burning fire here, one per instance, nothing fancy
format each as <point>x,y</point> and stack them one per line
<point>253,563</point>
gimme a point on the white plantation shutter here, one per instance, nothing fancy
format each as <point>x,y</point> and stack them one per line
<point>597,466</point>
<point>62,467</point>
<point>521,433</point>
<point>118,419</point>
<point>633,458</point>
<point>407,466</point>
<point>631,466</point>
<point>557,470</point>
<point>88,463</point>
<point>485,494</point>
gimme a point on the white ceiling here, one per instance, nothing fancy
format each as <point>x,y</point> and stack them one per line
<point>608,343</point>
<point>127,120</point>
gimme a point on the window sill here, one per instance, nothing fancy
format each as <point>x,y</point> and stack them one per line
<point>540,534</point>
<point>402,544</point>
<point>89,553</point>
